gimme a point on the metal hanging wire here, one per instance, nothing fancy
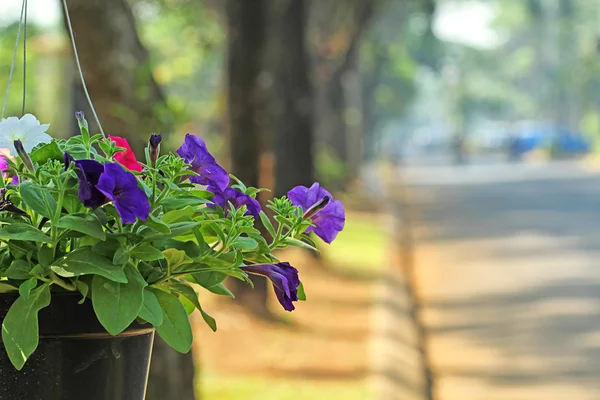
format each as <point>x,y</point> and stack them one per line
<point>85,90</point>
<point>24,60</point>
<point>23,27</point>
<point>14,58</point>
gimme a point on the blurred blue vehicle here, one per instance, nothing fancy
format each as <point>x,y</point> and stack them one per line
<point>560,141</point>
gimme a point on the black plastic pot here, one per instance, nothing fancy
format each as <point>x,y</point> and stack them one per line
<point>76,358</point>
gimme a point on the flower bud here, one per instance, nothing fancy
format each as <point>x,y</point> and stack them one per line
<point>155,140</point>
<point>80,116</point>
<point>23,155</point>
<point>311,212</point>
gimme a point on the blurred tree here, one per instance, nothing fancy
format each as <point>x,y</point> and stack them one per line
<point>290,109</point>
<point>336,31</point>
<point>118,73</point>
<point>247,97</point>
<point>399,43</point>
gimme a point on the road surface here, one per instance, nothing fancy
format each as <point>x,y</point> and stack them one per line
<point>508,265</point>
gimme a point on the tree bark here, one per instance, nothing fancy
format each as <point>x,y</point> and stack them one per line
<point>171,373</point>
<point>247,91</point>
<point>291,106</point>
<point>117,70</point>
<point>119,78</point>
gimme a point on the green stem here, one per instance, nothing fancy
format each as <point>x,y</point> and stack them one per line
<point>56,280</point>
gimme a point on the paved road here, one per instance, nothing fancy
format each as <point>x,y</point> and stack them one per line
<point>508,262</point>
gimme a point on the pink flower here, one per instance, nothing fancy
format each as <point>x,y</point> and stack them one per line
<point>4,157</point>
<point>126,157</point>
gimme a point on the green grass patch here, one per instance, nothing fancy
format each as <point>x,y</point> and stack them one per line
<point>256,388</point>
<point>362,245</point>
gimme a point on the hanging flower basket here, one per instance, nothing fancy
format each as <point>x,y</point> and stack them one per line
<point>98,251</point>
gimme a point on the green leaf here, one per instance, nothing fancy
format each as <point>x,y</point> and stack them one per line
<point>26,232</point>
<point>301,294</point>
<point>210,321</point>
<point>121,256</point>
<point>177,229</point>
<point>19,269</point>
<point>38,199</point>
<point>26,287</point>
<point>84,223</point>
<point>157,225</point>
<point>187,291</point>
<point>88,241</point>
<point>21,248</point>
<point>49,151</point>
<point>175,329</point>
<point>221,290</point>
<point>182,228</point>
<point>190,295</point>
<point>151,311</point>
<point>175,258</point>
<point>178,215</point>
<point>84,261</point>
<point>118,304</point>
<point>72,204</point>
<point>178,202</point>
<point>298,243</point>
<point>107,248</point>
<point>208,279</point>
<point>6,288</point>
<point>146,252</point>
<point>267,223</point>
<point>188,305</point>
<point>244,243</point>
<point>200,239</point>
<point>45,255</point>
<point>83,288</point>
<point>20,330</point>
<point>205,194</point>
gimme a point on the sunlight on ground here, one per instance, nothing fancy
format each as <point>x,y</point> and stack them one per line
<point>323,349</point>
<point>245,388</point>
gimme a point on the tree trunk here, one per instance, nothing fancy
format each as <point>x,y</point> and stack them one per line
<point>127,99</point>
<point>117,71</point>
<point>171,373</point>
<point>247,104</point>
<point>331,122</point>
<point>291,106</point>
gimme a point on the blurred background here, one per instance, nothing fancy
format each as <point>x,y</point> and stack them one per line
<point>461,135</point>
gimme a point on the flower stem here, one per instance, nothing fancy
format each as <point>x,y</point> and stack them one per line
<point>56,280</point>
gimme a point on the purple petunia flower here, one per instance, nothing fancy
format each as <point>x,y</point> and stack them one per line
<point>284,278</point>
<point>88,173</point>
<point>121,187</point>
<point>237,198</point>
<point>194,152</point>
<point>328,221</point>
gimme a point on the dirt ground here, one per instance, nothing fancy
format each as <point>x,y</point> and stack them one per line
<point>324,341</point>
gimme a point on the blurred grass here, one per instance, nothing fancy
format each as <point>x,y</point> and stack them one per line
<point>258,388</point>
<point>361,246</point>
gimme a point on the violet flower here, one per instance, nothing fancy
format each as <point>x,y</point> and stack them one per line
<point>284,278</point>
<point>194,152</point>
<point>329,220</point>
<point>88,173</point>
<point>122,188</point>
<point>235,197</point>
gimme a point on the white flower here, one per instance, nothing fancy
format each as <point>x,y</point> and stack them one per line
<point>27,129</point>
